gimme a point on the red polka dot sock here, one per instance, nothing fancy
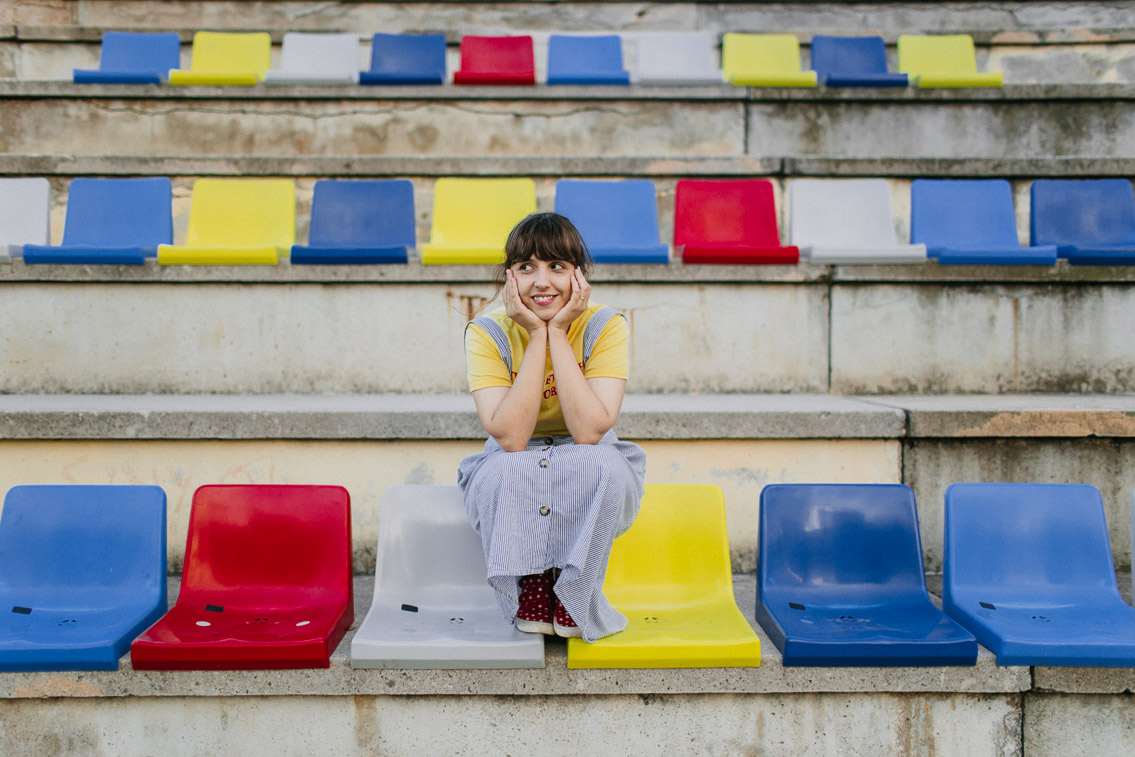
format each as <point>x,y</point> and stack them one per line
<point>534,615</point>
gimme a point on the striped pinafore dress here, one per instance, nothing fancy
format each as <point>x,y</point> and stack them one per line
<point>556,504</point>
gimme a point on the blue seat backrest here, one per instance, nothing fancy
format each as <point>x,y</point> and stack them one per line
<point>1045,540</point>
<point>569,54</point>
<point>610,213</point>
<point>845,55</point>
<point>145,52</point>
<point>962,213</point>
<point>379,212</point>
<point>849,542</point>
<point>1082,212</point>
<point>84,541</point>
<point>418,54</point>
<point>119,212</point>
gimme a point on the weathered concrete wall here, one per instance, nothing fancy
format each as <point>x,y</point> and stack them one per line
<point>1014,126</point>
<point>928,129</point>
<point>981,338</point>
<point>918,336</point>
<point>930,466</point>
<point>226,127</point>
<point>359,338</point>
<point>1061,725</point>
<point>740,467</point>
<point>855,724</point>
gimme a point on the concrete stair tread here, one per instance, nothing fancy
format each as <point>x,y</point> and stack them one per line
<point>674,273</point>
<point>644,416</point>
<point>53,88</point>
<point>656,166</point>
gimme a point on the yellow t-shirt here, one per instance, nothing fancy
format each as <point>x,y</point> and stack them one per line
<point>609,359</point>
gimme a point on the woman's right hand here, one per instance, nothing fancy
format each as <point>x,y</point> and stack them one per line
<point>515,308</point>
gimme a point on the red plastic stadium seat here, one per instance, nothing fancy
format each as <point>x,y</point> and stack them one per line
<point>496,61</point>
<point>729,222</point>
<point>266,583</point>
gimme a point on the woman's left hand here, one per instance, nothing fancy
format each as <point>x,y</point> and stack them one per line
<point>577,302</point>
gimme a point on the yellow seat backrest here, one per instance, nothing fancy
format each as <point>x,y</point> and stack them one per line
<point>242,213</point>
<point>948,54</point>
<point>220,52</point>
<point>476,215</point>
<point>677,551</point>
<point>943,61</point>
<point>759,53</point>
<point>764,60</point>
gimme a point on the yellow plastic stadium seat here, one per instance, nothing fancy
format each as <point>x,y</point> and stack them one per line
<point>226,59</point>
<point>764,60</point>
<point>472,219</point>
<point>943,61</point>
<point>670,575</point>
<point>236,222</point>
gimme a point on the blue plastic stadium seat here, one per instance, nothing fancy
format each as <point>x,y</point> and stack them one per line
<point>111,222</point>
<point>406,59</point>
<point>586,60</point>
<point>1028,569</point>
<point>82,572</point>
<point>840,580</point>
<point>1091,221</point>
<point>433,607</point>
<point>132,58</point>
<point>618,219</point>
<point>965,222</point>
<point>359,222</point>
<point>853,62</point>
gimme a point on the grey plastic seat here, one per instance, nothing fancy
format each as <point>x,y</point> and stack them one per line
<point>676,59</point>
<point>25,215</point>
<point>846,222</point>
<point>317,59</point>
<point>432,606</point>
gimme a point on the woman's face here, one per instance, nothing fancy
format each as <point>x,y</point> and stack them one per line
<point>544,285</point>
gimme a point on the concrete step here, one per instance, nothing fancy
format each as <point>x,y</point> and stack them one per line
<point>739,442</point>
<point>694,328</point>
<point>554,167</point>
<point>1078,121</point>
<point>980,710</point>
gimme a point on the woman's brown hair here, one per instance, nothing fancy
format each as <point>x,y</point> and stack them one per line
<point>544,236</point>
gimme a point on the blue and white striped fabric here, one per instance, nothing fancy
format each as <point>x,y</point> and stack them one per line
<point>556,504</point>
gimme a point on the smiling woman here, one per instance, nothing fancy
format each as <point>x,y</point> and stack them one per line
<point>554,486</point>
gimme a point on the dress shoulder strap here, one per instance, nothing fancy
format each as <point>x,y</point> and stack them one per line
<point>500,339</point>
<point>594,328</point>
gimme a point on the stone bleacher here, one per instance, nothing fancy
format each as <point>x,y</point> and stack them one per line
<point>925,375</point>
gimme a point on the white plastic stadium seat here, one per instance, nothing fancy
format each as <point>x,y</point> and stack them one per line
<point>846,221</point>
<point>433,607</point>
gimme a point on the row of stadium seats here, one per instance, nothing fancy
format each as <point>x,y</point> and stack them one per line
<point>748,60</point>
<point>267,581</point>
<point>847,221</point>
